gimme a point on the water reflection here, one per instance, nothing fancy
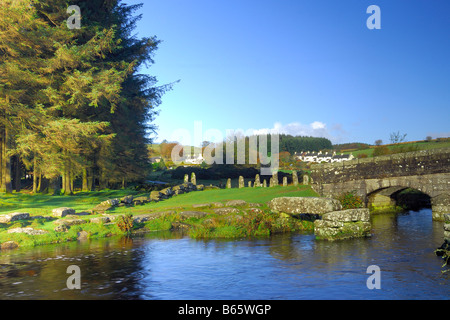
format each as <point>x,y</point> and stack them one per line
<point>172,266</point>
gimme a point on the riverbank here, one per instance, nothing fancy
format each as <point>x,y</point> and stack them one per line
<point>193,213</point>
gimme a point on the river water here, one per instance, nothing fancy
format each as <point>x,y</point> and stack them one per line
<point>171,266</point>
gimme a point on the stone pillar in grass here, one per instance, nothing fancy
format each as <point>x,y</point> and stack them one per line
<point>241,182</point>
<point>294,178</point>
<point>284,181</point>
<point>249,184</point>
<point>264,183</point>
<point>271,183</point>
<point>229,183</point>
<point>193,179</point>
<point>305,179</point>
<point>257,181</point>
<point>186,178</point>
<point>275,179</point>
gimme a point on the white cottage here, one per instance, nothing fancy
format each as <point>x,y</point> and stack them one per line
<point>322,157</point>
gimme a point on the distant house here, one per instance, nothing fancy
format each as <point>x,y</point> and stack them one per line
<point>342,157</point>
<point>193,159</point>
<point>322,157</point>
<point>155,160</point>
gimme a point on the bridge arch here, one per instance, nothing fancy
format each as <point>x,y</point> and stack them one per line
<point>397,197</point>
<point>427,171</point>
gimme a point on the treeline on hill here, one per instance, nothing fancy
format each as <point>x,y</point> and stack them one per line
<point>72,103</point>
<point>292,144</point>
<point>287,143</point>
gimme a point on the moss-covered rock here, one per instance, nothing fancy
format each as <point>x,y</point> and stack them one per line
<point>337,225</point>
<point>304,205</point>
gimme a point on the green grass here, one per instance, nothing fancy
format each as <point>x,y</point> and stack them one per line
<point>245,224</point>
<point>256,195</point>
<point>24,240</point>
<point>42,204</point>
<point>231,226</point>
<point>408,146</point>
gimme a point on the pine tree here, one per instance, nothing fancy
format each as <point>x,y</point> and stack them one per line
<point>72,103</point>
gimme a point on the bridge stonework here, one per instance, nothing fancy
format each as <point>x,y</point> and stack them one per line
<point>427,171</point>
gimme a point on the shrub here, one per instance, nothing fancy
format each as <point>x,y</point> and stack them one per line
<point>362,155</point>
<point>256,223</point>
<point>350,200</point>
<point>381,150</point>
<point>125,223</point>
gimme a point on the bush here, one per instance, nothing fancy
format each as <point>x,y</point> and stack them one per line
<point>125,223</point>
<point>362,156</point>
<point>380,151</point>
<point>349,200</point>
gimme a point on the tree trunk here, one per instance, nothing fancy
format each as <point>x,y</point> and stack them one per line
<point>85,186</point>
<point>72,178</point>
<point>67,179</point>
<point>18,174</point>
<point>39,186</point>
<point>63,177</point>
<point>35,175</point>
<point>1,160</point>
<point>56,186</point>
<point>90,179</point>
<point>6,164</point>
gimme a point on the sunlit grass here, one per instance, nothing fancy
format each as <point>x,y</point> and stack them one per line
<point>222,228</point>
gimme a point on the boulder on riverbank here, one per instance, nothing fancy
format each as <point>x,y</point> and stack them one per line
<point>9,245</point>
<point>345,224</point>
<point>100,220</point>
<point>30,231</point>
<point>69,222</point>
<point>192,214</point>
<point>447,227</point>
<point>304,205</point>
<point>150,216</point>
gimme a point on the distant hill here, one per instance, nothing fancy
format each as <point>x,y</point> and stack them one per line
<point>402,147</point>
<point>352,146</point>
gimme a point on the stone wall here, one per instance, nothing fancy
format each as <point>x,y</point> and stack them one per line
<point>416,163</point>
<point>427,171</point>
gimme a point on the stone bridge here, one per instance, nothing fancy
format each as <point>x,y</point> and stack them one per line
<point>377,179</point>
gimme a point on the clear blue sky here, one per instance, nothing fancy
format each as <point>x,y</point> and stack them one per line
<point>302,67</point>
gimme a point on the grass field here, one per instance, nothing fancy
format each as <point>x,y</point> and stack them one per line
<point>42,204</point>
<point>409,146</point>
<point>255,195</point>
<point>243,225</point>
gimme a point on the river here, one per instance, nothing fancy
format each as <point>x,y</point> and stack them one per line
<point>171,266</point>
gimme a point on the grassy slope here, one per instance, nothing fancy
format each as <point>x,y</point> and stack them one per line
<point>258,195</point>
<point>83,201</point>
<point>43,205</point>
<point>420,145</point>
